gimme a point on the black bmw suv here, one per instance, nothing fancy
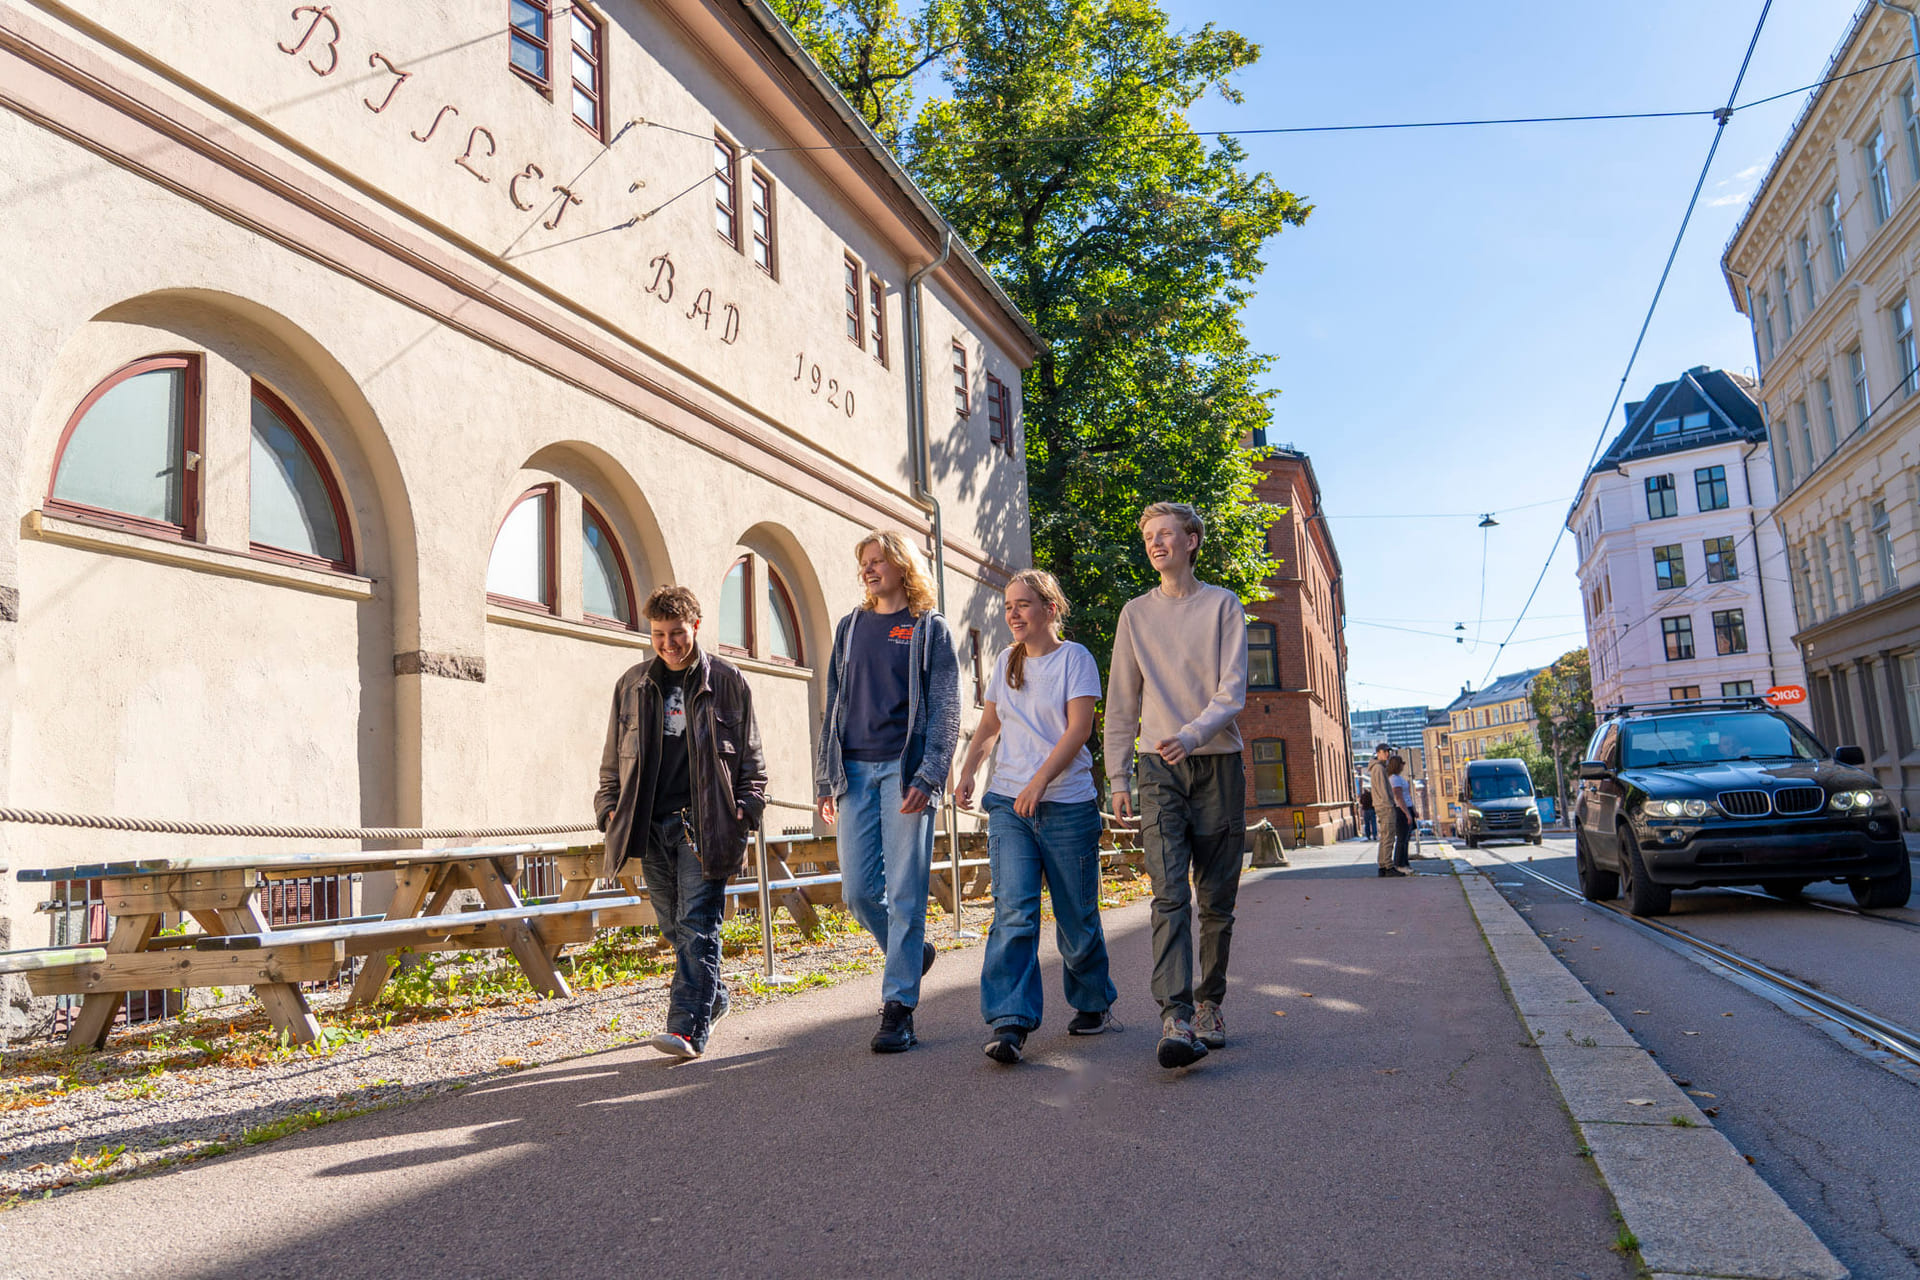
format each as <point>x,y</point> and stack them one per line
<point>1681,795</point>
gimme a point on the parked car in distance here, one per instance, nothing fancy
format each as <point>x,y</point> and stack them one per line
<point>1729,792</point>
<point>1497,803</point>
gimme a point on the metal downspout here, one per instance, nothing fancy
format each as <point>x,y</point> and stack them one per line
<point>918,449</point>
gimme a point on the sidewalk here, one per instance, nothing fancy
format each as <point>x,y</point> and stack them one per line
<point>1393,1122</point>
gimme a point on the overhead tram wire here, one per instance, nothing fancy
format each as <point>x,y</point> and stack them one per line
<point>1720,119</point>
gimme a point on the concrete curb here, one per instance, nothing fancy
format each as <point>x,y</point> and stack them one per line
<point>1696,1206</point>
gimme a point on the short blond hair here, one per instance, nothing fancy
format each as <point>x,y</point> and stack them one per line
<point>1188,519</point>
<point>920,594</point>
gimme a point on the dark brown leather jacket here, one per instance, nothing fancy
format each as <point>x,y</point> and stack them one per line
<point>723,754</point>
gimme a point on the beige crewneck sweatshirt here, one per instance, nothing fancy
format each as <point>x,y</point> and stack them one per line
<point>1179,671</point>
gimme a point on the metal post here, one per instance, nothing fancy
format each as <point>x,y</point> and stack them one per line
<point>768,974</point>
<point>953,852</point>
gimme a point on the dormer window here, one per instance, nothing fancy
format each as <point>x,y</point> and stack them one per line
<point>1666,426</point>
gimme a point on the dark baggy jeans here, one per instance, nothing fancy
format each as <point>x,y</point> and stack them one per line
<point>688,907</point>
<point>1402,836</point>
<point>1193,825</point>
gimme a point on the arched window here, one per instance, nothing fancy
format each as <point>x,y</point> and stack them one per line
<point>606,589</point>
<point>520,572</point>
<point>736,609</point>
<point>783,638</point>
<point>126,454</point>
<point>296,510</point>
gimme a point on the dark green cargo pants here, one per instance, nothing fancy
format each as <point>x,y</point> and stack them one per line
<point>1193,826</point>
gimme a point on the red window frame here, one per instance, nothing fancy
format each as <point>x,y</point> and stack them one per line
<point>549,605</point>
<point>996,411</point>
<point>877,317</point>
<point>1006,416</point>
<point>962,385</point>
<point>542,42</point>
<point>189,526</point>
<point>597,57</point>
<point>726,191</point>
<point>280,409</point>
<point>855,308</point>
<point>600,521</point>
<point>779,584</point>
<point>761,199</point>
<point>745,563</point>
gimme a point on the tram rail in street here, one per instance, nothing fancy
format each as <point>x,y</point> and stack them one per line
<point>1900,1042</point>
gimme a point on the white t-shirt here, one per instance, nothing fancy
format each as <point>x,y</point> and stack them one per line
<point>1033,719</point>
<point>1400,792</point>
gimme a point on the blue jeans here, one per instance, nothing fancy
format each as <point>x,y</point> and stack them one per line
<point>688,906</point>
<point>1061,843</point>
<point>885,857</point>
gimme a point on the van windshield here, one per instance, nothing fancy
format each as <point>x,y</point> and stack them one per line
<point>1499,786</point>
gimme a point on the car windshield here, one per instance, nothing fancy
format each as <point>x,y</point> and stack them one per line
<point>1499,786</point>
<point>1712,739</point>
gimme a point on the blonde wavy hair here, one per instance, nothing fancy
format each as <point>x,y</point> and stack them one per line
<point>1047,587</point>
<point>920,594</point>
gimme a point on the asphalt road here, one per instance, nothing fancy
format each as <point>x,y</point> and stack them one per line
<point>1836,1135</point>
<point>1392,1123</point>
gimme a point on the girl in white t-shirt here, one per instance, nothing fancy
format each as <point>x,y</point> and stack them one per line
<point>1043,820</point>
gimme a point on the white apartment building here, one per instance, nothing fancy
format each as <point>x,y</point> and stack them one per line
<point>1682,576</point>
<point>1824,265</point>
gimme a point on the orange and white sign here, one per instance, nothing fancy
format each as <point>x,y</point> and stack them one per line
<point>1786,695</point>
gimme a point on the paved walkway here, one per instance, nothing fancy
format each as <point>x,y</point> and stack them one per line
<point>1392,1124</point>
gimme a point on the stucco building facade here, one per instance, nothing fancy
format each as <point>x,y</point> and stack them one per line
<point>367,365</point>
<point>1682,573</point>
<point>1295,721</point>
<point>1823,264</point>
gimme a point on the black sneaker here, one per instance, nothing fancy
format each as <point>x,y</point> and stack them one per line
<point>1006,1045</point>
<point>1393,872</point>
<point>896,1029</point>
<point>927,955</point>
<point>1093,1024</point>
<point>1178,1046</point>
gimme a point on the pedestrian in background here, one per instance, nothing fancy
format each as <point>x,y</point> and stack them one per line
<point>1402,809</point>
<point>892,719</point>
<point>1177,685</point>
<point>1366,813</point>
<point>1379,786</point>
<point>682,783</point>
<point>1043,821</point>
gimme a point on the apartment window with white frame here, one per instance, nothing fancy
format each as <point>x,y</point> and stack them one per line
<point>1826,414</point>
<point>1903,346</point>
<point>1806,434</point>
<point>1910,124</point>
<point>1910,678</point>
<point>1766,327</point>
<point>1806,582</point>
<point>1851,550</point>
<point>1806,272</point>
<point>1783,450</point>
<point>1862,398</point>
<point>1882,528</point>
<point>1878,183</point>
<point>1786,300</point>
<point>1836,235</point>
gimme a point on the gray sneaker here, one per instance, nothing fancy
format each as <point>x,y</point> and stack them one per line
<point>1178,1047</point>
<point>1208,1025</point>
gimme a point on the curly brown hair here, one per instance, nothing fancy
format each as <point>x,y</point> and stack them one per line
<point>672,604</point>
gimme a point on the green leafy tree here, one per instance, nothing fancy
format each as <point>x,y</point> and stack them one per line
<point>872,51</point>
<point>1562,701</point>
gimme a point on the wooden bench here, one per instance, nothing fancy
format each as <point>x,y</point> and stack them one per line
<point>49,958</point>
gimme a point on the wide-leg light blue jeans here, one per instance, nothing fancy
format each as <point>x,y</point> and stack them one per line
<point>885,858</point>
<point>1060,843</point>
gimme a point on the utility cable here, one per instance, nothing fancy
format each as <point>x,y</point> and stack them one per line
<point>1719,132</point>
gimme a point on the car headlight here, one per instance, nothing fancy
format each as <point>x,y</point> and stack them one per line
<point>1844,800</point>
<point>1697,808</point>
<point>1671,808</point>
<point>1475,813</point>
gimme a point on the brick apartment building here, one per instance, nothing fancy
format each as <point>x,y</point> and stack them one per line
<point>1295,724</point>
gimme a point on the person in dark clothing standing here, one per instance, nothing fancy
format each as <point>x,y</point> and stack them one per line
<point>682,783</point>
<point>892,722</point>
<point>1366,812</point>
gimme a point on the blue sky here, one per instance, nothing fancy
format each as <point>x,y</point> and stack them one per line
<point>1451,323</point>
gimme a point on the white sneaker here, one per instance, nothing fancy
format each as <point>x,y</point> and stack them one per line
<point>1208,1025</point>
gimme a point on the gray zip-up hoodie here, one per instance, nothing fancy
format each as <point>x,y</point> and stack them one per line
<point>933,710</point>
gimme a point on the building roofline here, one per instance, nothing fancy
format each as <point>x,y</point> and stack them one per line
<point>789,44</point>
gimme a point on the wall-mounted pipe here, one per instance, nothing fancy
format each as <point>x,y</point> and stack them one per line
<point>919,449</point>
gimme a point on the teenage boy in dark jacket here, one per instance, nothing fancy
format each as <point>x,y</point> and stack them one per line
<point>682,784</point>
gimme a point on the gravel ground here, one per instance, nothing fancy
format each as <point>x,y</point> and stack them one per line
<point>211,1080</point>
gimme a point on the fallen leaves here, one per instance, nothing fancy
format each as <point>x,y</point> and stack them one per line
<point>1279,1013</point>
<point>1643,1011</point>
<point>1639,1102</point>
<point>509,1062</point>
<point>1689,1033</point>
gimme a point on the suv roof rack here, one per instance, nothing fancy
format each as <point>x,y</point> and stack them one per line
<point>1749,702</point>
